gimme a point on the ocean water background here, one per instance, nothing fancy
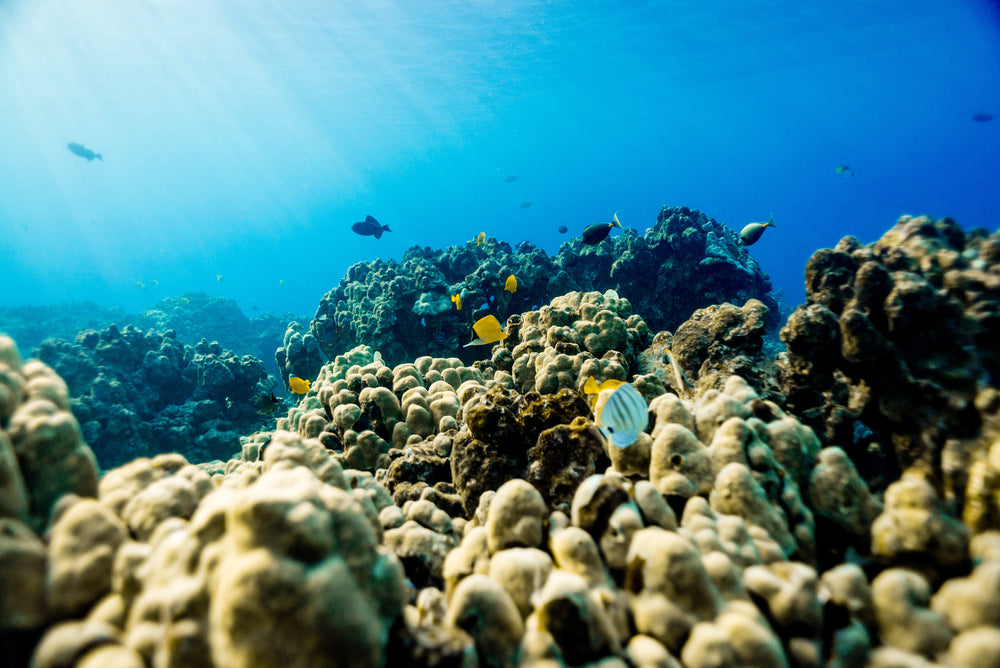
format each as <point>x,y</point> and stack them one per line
<point>241,140</point>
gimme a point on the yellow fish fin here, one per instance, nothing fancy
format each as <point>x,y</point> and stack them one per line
<point>590,387</point>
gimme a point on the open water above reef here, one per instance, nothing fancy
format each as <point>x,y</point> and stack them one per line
<point>240,141</point>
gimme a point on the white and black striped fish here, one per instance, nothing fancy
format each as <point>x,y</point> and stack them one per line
<point>622,415</point>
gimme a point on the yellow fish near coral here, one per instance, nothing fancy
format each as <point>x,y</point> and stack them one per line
<point>298,385</point>
<point>457,300</point>
<point>510,285</point>
<point>592,388</point>
<point>488,330</point>
<point>481,239</point>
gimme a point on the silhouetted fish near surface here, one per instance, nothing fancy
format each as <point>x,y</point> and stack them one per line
<point>525,205</point>
<point>83,152</point>
<point>983,117</point>
<point>844,170</point>
<point>370,228</point>
<point>510,179</point>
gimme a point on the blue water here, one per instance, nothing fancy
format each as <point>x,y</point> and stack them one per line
<point>242,139</point>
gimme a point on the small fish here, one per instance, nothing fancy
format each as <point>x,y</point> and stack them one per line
<point>621,415</point>
<point>682,381</point>
<point>598,232</point>
<point>488,330</point>
<point>83,152</point>
<point>592,388</point>
<point>978,117</point>
<point>563,229</point>
<point>298,385</point>
<point>265,403</point>
<point>370,228</point>
<point>377,359</point>
<point>220,278</point>
<point>281,282</point>
<point>526,205</point>
<point>456,299</point>
<point>844,170</point>
<point>255,308</point>
<point>481,239</point>
<point>510,285</point>
<point>140,285</point>
<point>510,179</point>
<point>751,233</point>
<point>155,282</point>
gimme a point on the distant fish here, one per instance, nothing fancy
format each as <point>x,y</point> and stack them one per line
<point>844,170</point>
<point>978,117</point>
<point>140,285</point>
<point>265,403</point>
<point>598,232</point>
<point>751,233</point>
<point>457,301</point>
<point>481,239</point>
<point>377,359</point>
<point>621,415</point>
<point>488,330</point>
<point>83,152</point>
<point>510,285</point>
<point>526,205</point>
<point>155,282</point>
<point>510,179</point>
<point>220,278</point>
<point>281,282</point>
<point>370,228</point>
<point>563,229</point>
<point>298,385</point>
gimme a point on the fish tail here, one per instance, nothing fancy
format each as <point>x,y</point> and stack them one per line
<point>770,220</point>
<point>99,157</point>
<point>615,221</point>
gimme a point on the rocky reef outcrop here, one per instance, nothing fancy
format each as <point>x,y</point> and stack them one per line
<point>138,393</point>
<point>438,513</point>
<point>404,309</point>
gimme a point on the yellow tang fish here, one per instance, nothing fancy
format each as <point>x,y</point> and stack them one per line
<point>592,388</point>
<point>298,385</point>
<point>457,300</point>
<point>488,330</point>
<point>481,239</point>
<point>510,285</point>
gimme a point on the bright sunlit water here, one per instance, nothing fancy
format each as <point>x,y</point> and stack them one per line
<point>242,139</point>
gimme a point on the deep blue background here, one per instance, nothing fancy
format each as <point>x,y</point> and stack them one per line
<point>243,139</point>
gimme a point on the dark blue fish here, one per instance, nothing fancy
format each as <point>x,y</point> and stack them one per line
<point>563,229</point>
<point>370,228</point>
<point>526,205</point>
<point>983,117</point>
<point>511,178</point>
<point>83,152</point>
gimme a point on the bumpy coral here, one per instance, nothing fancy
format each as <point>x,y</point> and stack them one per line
<point>684,262</point>
<point>899,336</point>
<point>138,393</point>
<point>299,354</point>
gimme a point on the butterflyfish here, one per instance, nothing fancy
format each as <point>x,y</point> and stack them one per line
<point>621,415</point>
<point>481,239</point>
<point>265,403</point>
<point>598,232</point>
<point>510,285</point>
<point>488,330</point>
<point>377,359</point>
<point>298,385</point>
<point>457,301</point>
<point>751,233</point>
<point>370,227</point>
<point>682,380</point>
<point>844,170</point>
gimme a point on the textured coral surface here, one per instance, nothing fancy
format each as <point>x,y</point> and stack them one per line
<point>836,506</point>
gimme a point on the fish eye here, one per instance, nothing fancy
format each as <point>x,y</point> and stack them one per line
<point>611,430</point>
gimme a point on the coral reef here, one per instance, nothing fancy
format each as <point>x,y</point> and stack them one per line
<point>684,262</point>
<point>437,513</point>
<point>137,394</point>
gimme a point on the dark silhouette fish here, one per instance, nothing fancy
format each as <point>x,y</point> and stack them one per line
<point>510,179</point>
<point>526,205</point>
<point>83,152</point>
<point>563,229</point>
<point>983,117</point>
<point>598,232</point>
<point>370,228</point>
